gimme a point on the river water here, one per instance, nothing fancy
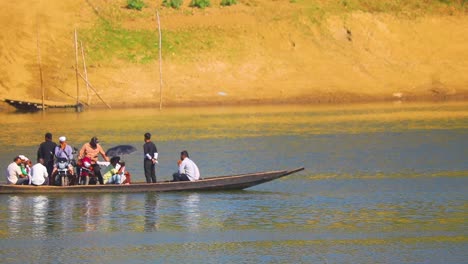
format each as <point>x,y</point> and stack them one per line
<point>384,183</point>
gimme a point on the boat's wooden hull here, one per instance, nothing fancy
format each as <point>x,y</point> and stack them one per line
<point>235,182</point>
<point>34,106</point>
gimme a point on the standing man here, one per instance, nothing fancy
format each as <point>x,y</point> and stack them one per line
<point>188,170</point>
<point>14,174</point>
<point>46,152</point>
<point>92,151</point>
<point>39,173</point>
<point>151,158</point>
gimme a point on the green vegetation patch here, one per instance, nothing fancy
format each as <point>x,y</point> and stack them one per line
<point>228,2</point>
<point>106,42</point>
<point>173,3</point>
<point>135,4</point>
<point>200,3</point>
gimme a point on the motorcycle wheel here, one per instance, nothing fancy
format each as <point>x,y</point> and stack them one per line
<point>64,180</point>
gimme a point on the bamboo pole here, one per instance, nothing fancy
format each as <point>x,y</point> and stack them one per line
<point>85,72</point>
<point>160,62</point>
<point>76,69</point>
<point>39,60</point>
<point>71,96</point>
<point>94,90</point>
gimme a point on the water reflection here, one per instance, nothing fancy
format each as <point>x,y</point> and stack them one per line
<point>92,213</point>
<point>151,212</point>
<point>15,206</point>
<point>39,211</point>
<point>190,206</point>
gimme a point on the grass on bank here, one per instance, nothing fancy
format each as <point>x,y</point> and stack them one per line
<point>135,4</point>
<point>106,42</point>
<point>200,3</point>
<point>228,2</point>
<point>173,3</point>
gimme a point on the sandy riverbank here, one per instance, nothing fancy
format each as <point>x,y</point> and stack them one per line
<point>262,53</point>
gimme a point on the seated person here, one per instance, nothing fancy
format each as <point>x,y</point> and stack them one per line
<point>14,173</point>
<point>39,173</point>
<point>63,152</point>
<point>25,167</point>
<point>115,172</point>
<point>188,170</point>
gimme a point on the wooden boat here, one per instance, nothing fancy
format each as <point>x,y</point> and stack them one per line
<point>233,182</point>
<point>35,105</point>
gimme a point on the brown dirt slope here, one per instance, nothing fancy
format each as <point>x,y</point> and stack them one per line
<point>258,51</point>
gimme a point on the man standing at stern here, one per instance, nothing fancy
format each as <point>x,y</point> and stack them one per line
<point>151,158</point>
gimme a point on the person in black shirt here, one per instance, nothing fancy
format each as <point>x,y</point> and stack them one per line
<point>46,152</point>
<point>151,158</point>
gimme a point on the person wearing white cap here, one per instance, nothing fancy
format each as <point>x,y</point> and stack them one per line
<point>64,151</point>
<point>25,167</point>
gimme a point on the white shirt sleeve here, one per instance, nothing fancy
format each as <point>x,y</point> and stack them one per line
<point>156,155</point>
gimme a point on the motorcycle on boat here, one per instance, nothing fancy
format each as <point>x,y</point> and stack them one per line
<point>63,177</point>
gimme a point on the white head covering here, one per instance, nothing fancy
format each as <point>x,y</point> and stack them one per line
<point>23,157</point>
<point>62,139</point>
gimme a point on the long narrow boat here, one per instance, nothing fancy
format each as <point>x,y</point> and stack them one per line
<point>233,182</point>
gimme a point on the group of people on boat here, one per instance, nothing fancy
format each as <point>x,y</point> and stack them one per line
<point>55,162</point>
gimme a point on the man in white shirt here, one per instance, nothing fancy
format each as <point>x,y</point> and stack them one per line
<point>188,170</point>
<point>39,173</point>
<point>14,174</point>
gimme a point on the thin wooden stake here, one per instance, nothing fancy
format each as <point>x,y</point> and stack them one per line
<point>160,62</point>
<point>94,90</point>
<point>76,69</point>
<point>39,60</point>
<point>85,72</point>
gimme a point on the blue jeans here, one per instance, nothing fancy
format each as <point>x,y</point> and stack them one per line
<point>22,181</point>
<point>180,177</point>
<point>115,179</point>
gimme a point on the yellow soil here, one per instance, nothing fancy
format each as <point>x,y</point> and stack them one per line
<point>267,52</point>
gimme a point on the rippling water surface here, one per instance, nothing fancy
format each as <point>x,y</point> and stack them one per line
<point>383,184</point>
